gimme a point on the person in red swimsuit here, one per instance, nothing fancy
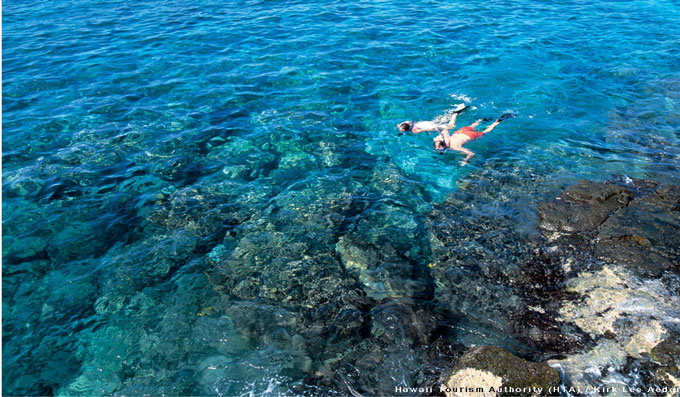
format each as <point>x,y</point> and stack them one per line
<point>456,141</point>
<point>463,135</point>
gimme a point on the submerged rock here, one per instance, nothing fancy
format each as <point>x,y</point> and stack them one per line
<point>372,367</point>
<point>394,353</point>
<point>475,265</point>
<point>499,372</point>
<point>611,237</point>
<point>637,227</point>
<point>582,207</point>
<point>667,355</point>
<point>644,236</point>
<point>625,316</point>
<point>383,269</point>
<point>395,320</point>
<point>23,249</point>
<point>199,211</point>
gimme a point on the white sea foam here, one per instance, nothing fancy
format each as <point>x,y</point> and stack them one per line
<point>461,97</point>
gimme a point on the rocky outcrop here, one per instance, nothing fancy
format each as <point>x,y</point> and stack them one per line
<point>645,235</point>
<point>499,372</point>
<point>637,226</point>
<point>582,207</point>
<point>619,242</point>
<point>667,354</point>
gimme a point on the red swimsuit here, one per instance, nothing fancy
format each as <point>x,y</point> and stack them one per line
<point>469,131</point>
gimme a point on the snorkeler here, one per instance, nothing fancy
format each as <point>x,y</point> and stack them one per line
<point>422,126</point>
<point>456,140</point>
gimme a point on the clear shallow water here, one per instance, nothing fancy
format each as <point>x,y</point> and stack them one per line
<point>145,142</point>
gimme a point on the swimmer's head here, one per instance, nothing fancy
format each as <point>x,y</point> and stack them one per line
<point>439,145</point>
<point>406,126</point>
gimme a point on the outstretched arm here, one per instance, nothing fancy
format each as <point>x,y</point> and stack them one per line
<point>466,151</point>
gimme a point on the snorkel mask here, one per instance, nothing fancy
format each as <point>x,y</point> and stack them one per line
<point>408,124</point>
<point>440,150</point>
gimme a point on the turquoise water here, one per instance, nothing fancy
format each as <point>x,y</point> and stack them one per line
<point>180,179</point>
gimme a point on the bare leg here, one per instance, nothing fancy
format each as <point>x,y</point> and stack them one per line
<point>492,126</point>
<point>476,123</point>
<point>452,121</point>
<point>454,116</point>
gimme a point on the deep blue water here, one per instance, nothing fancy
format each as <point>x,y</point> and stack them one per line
<point>144,142</point>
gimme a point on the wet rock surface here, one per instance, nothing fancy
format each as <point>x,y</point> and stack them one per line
<point>582,207</point>
<point>329,287</point>
<point>499,372</point>
<point>541,286</point>
<point>636,227</point>
<point>594,293</point>
<point>667,357</point>
<point>645,236</point>
<point>618,291</point>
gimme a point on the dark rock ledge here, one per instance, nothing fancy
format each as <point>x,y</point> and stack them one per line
<point>636,225</point>
<point>496,371</point>
<point>596,292</point>
<point>618,242</point>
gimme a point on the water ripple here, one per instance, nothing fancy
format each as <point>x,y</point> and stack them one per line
<point>141,138</point>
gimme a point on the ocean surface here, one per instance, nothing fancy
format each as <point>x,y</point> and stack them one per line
<point>181,180</point>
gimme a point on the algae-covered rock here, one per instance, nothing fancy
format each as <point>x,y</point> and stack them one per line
<point>582,207</point>
<point>637,227</point>
<point>644,236</point>
<point>476,263</point>
<point>667,355</point>
<point>499,372</point>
